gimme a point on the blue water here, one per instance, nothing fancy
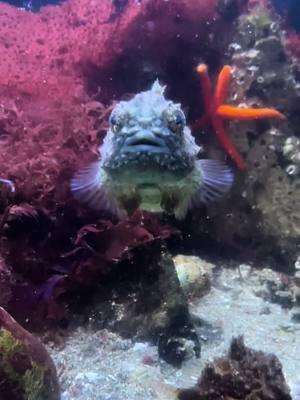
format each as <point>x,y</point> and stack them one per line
<point>292,9</point>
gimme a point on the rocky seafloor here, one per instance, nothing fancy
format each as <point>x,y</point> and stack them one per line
<point>256,303</point>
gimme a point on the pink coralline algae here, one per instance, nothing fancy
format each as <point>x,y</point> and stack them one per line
<point>42,53</point>
<point>292,41</point>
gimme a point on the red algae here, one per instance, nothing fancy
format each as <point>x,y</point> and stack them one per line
<point>42,94</point>
<point>292,42</point>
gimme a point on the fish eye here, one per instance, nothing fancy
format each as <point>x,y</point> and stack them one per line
<point>115,122</point>
<point>176,121</point>
<point>179,119</point>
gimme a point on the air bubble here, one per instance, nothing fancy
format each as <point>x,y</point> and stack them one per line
<point>260,79</point>
<point>292,169</point>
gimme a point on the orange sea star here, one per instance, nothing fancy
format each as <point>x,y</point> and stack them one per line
<point>216,110</point>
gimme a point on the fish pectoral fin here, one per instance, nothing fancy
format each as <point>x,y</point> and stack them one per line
<point>88,186</point>
<point>216,181</point>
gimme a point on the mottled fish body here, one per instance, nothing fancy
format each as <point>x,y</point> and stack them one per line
<point>149,160</point>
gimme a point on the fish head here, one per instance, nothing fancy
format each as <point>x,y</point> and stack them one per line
<point>148,131</point>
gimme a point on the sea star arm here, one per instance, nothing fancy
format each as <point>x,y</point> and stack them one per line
<point>210,109</point>
<point>215,110</point>
<point>222,86</point>
<point>204,120</point>
<point>231,112</point>
<point>227,144</point>
<point>206,87</point>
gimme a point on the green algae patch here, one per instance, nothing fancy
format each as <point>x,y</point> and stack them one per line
<point>27,371</point>
<point>11,349</point>
<point>33,383</point>
<point>259,18</point>
<point>9,344</point>
<point>25,376</point>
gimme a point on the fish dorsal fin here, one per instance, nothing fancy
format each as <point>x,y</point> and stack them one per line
<point>157,88</point>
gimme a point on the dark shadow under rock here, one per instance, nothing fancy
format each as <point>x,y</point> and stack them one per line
<point>145,300</point>
<point>6,281</point>
<point>243,374</point>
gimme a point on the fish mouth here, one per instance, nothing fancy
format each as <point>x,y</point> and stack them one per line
<point>145,141</point>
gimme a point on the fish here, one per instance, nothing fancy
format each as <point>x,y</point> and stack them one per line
<point>149,160</point>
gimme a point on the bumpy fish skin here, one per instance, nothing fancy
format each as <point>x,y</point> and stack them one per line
<point>149,160</point>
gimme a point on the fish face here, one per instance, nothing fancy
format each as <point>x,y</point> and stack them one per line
<point>147,131</point>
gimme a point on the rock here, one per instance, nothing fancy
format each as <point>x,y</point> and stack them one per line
<point>27,371</point>
<point>291,149</point>
<point>261,218</point>
<point>296,315</point>
<point>273,287</point>
<point>243,374</point>
<point>177,338</point>
<point>284,298</point>
<point>194,274</point>
<point>245,271</point>
<point>296,288</point>
<point>146,301</point>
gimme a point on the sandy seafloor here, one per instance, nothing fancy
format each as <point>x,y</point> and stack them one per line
<point>102,366</point>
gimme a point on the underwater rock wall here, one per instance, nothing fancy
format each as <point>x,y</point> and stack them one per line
<point>262,215</point>
<point>267,75</point>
